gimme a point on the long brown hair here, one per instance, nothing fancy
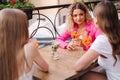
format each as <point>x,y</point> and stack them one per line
<point>107,19</point>
<point>13,35</point>
<point>72,7</point>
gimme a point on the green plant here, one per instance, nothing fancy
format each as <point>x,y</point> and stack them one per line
<point>55,46</point>
<point>15,4</point>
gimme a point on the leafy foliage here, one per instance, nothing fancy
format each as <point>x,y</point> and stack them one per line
<point>16,4</point>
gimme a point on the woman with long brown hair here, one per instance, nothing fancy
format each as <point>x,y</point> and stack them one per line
<point>17,52</point>
<point>106,47</point>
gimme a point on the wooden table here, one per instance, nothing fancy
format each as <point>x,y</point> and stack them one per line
<point>61,69</point>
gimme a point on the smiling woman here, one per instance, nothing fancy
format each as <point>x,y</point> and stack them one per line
<point>79,20</point>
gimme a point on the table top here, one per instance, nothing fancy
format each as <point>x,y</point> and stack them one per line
<point>62,68</point>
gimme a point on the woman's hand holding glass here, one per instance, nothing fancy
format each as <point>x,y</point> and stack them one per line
<point>78,41</point>
<point>74,44</point>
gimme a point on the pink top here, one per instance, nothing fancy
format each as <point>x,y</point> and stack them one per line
<point>90,29</point>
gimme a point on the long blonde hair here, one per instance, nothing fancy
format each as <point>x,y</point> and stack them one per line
<point>72,7</point>
<point>13,36</point>
<point>107,19</point>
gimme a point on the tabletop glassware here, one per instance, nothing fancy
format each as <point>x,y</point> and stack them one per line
<point>54,47</point>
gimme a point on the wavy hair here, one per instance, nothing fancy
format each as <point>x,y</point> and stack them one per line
<point>72,7</point>
<point>107,19</point>
<point>13,35</point>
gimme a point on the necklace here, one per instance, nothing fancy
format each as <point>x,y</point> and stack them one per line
<point>82,31</point>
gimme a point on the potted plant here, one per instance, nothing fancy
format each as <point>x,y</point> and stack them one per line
<point>24,5</point>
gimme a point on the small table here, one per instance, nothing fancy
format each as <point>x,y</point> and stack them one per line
<point>61,69</point>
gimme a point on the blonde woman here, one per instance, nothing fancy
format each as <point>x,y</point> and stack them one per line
<point>17,53</point>
<point>78,19</point>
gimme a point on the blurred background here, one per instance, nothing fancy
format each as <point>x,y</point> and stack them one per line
<point>55,12</point>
